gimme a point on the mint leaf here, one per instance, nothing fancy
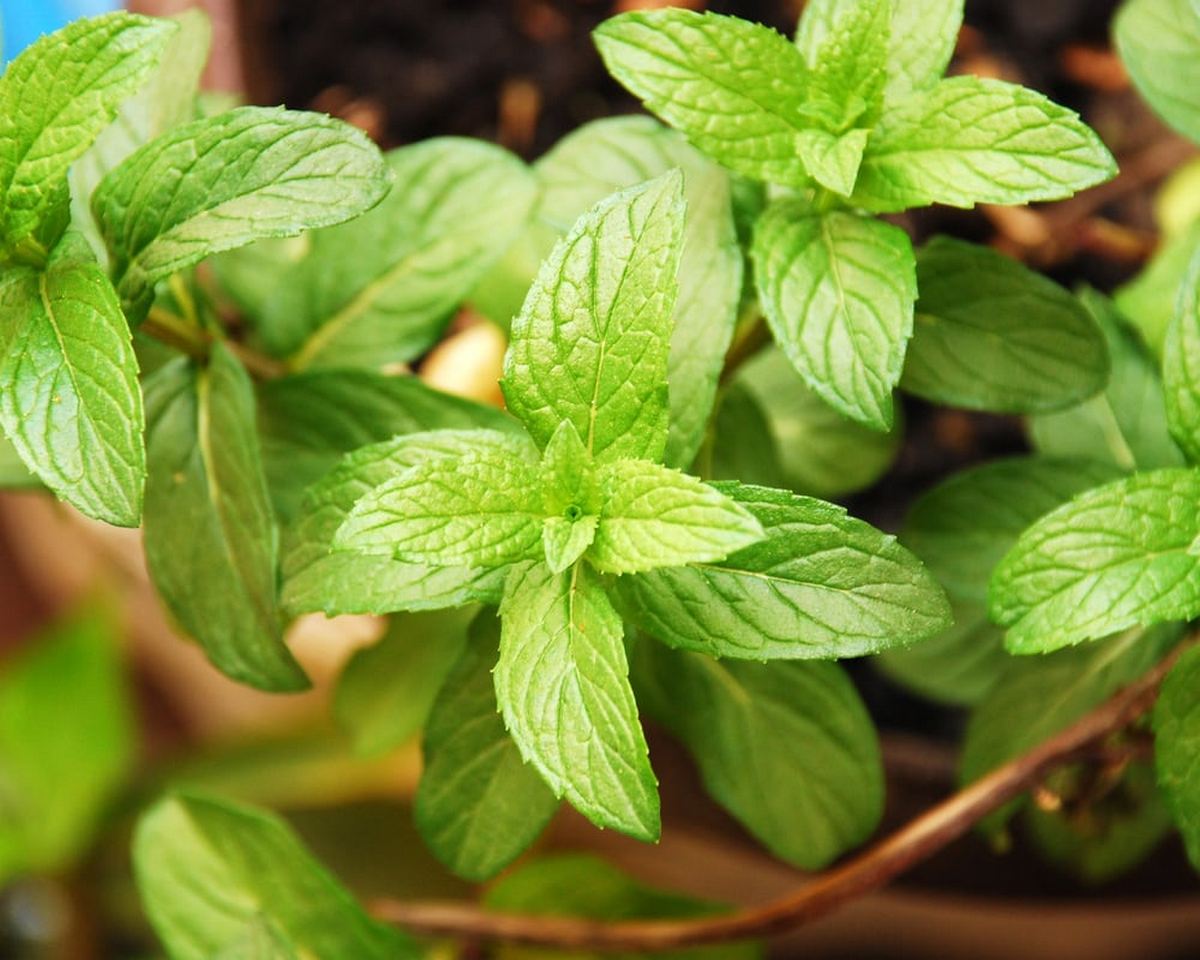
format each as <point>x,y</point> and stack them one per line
<point>570,499</point>
<point>57,781</point>
<point>838,290</point>
<point>743,445</point>
<point>972,140</point>
<point>1148,300</point>
<point>55,98</point>
<point>1126,424</point>
<point>225,181</point>
<point>1176,731</point>
<point>382,288</point>
<point>737,90</point>
<point>478,804</point>
<point>211,542</point>
<point>583,885</point>
<point>787,748</point>
<point>591,343</point>
<point>653,516</point>
<point>993,335</point>
<point>69,395</point>
<point>1117,556</point>
<point>385,690</point>
<point>315,578</point>
<point>833,159</point>
<point>1181,365</point>
<point>821,453</point>
<point>188,845</point>
<point>562,685</point>
<point>847,72</point>
<point>483,508</point>
<point>821,585</point>
<point>1159,44</point>
<point>309,421</point>
<point>618,152</point>
<point>1035,698</point>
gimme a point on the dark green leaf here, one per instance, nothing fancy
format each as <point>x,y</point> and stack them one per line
<point>1181,365</point>
<point>1176,735</point>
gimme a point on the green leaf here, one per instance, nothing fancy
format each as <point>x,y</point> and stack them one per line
<point>838,290</point>
<point>847,73</point>
<point>1181,365</point>
<point>821,585</point>
<point>563,686</point>
<point>483,508</point>
<point>478,804</point>
<point>211,873</point>
<point>787,748</point>
<point>821,453</point>
<point>67,741</point>
<point>1159,44</point>
<point>385,690</point>
<point>211,541</point>
<point>309,421</point>
<point>833,159</point>
<point>316,578</point>
<point>1148,300</point>
<point>1116,556</point>
<point>69,396</point>
<point>653,516</point>
<point>1125,425</point>
<point>382,289</point>
<point>964,526</point>
<point>993,335</point>
<point>1035,698</point>
<point>591,343</point>
<point>743,445</point>
<point>225,181</point>
<point>618,152</point>
<point>582,885</point>
<point>55,98</point>
<point>254,275</point>
<point>972,140</point>
<point>737,90</point>
<point>1176,732</point>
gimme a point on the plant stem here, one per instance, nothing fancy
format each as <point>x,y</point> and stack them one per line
<point>178,333</point>
<point>868,871</point>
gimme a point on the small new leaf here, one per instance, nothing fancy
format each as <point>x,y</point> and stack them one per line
<point>563,685</point>
<point>653,516</point>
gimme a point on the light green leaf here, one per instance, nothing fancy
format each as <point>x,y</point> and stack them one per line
<point>55,98</point>
<point>67,741</point>
<point>611,154</point>
<point>69,396</point>
<point>1176,734</point>
<point>838,290</point>
<point>385,690</point>
<point>1035,698</point>
<point>737,90</point>
<point>1116,556</point>
<point>1125,425</point>
<point>316,578</point>
<point>225,181</point>
<point>253,275</point>
<point>993,335</point>
<point>570,498</point>
<point>478,804</point>
<point>1159,44</point>
<point>309,421</point>
<point>653,516</point>
<point>565,539</point>
<point>382,289</point>
<point>483,508</point>
<point>1148,300</point>
<point>821,452</point>
<point>591,343</point>
<point>787,748</point>
<point>211,541</point>
<point>210,872</point>
<point>13,472</point>
<point>833,159</point>
<point>582,885</point>
<point>743,445</point>
<point>972,140</point>
<point>563,686</point>
<point>847,73</point>
<point>1181,365</point>
<point>965,525</point>
<point>821,585</point>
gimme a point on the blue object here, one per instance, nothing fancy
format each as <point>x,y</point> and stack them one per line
<point>26,20</point>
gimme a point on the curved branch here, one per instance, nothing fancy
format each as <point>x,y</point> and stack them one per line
<point>868,871</point>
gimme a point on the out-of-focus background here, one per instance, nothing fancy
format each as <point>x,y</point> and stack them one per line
<point>523,73</point>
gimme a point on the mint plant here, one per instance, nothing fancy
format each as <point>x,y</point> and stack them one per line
<point>210,320</point>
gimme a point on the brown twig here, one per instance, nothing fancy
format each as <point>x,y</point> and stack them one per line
<point>869,870</point>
